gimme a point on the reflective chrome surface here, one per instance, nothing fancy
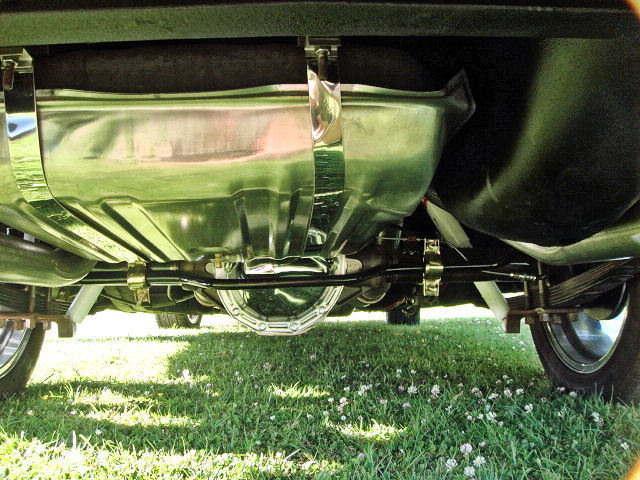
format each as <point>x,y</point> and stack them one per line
<point>12,343</point>
<point>190,176</point>
<point>586,344</point>
<point>21,128</point>
<point>325,105</point>
<point>282,311</point>
<point>32,263</point>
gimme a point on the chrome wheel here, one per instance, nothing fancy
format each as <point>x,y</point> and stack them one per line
<point>12,344</point>
<point>584,343</point>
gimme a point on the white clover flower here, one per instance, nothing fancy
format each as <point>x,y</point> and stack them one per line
<point>343,418</point>
<point>413,372</point>
<point>476,391</point>
<point>493,396</point>
<point>469,471</point>
<point>312,357</point>
<point>528,408</point>
<point>72,412</point>
<point>469,417</point>
<point>325,413</point>
<point>624,445</point>
<point>412,389</point>
<point>309,416</point>
<point>519,391</point>
<point>383,401</point>
<point>401,388</point>
<point>451,463</point>
<point>466,448</point>
<point>272,417</point>
<point>482,444</point>
<point>347,389</point>
<point>330,400</point>
<point>491,416</point>
<point>234,405</point>
<point>258,442</point>
<point>361,456</point>
<point>406,405</point>
<point>423,421</point>
<point>98,431</point>
<point>596,417</point>
<point>561,389</point>
<point>398,371</point>
<point>573,394</point>
<point>507,393</point>
<point>448,409</point>
<point>500,424</point>
<point>186,375</point>
<point>435,391</point>
<point>343,400</point>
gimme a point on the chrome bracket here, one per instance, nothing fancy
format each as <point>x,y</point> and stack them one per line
<point>21,127</point>
<point>433,268</point>
<point>13,61</point>
<point>325,104</point>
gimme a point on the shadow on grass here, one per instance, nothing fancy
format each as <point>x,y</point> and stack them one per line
<point>235,392</point>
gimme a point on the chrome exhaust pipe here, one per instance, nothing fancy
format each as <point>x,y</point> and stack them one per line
<point>31,263</point>
<point>620,241</point>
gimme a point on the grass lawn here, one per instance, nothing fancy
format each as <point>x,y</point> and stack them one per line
<point>353,400</point>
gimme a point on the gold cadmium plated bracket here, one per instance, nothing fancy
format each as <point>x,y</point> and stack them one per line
<point>21,124</point>
<point>433,268</point>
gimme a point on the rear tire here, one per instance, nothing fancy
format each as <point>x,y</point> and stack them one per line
<point>19,352</point>
<point>570,356</point>
<point>399,317</point>
<point>178,320</point>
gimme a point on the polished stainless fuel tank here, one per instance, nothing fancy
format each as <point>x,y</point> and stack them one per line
<point>237,174</point>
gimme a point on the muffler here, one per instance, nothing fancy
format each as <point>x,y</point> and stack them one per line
<point>30,263</point>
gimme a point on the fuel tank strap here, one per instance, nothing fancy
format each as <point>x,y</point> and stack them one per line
<point>325,104</point>
<point>21,124</point>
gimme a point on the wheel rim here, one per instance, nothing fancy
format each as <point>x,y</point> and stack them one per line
<point>12,344</point>
<point>586,344</point>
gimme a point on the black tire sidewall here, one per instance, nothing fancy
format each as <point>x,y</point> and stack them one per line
<point>618,377</point>
<point>398,317</point>
<point>176,320</point>
<point>17,377</point>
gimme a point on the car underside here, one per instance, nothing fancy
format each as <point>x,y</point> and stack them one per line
<point>282,162</point>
